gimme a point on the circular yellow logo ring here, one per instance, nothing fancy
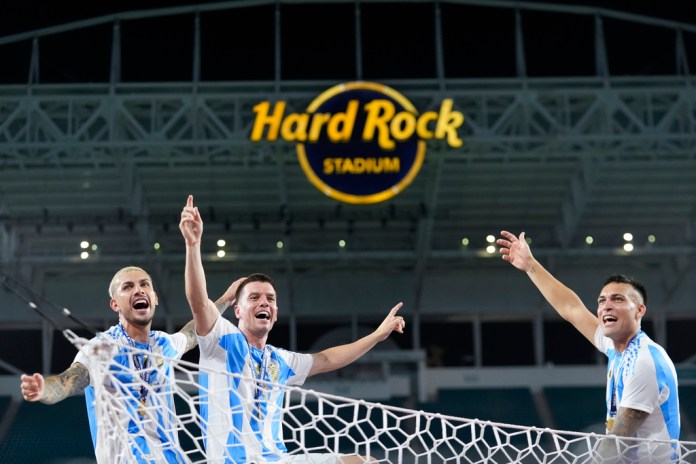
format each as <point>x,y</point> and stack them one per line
<point>353,198</point>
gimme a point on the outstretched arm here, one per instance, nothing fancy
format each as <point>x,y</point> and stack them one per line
<point>566,303</point>
<point>204,311</point>
<point>225,301</point>
<point>55,388</point>
<point>340,356</point>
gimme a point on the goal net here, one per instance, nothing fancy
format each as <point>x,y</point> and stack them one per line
<point>170,427</point>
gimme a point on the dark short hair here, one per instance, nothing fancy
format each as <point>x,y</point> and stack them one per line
<point>632,281</point>
<point>258,277</point>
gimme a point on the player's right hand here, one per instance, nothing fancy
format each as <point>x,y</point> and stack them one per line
<point>32,386</point>
<point>191,224</point>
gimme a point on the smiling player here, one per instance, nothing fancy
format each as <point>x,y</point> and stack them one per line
<point>244,416</point>
<point>642,398</point>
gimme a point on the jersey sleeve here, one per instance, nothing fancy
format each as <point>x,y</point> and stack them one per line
<point>640,385</point>
<point>83,354</point>
<point>601,342</point>
<point>300,363</point>
<point>208,343</point>
<point>179,342</point>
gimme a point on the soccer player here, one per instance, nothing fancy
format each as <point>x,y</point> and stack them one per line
<point>134,299</point>
<point>244,419</point>
<point>642,398</point>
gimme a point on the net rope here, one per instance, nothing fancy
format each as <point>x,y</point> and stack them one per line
<point>314,422</point>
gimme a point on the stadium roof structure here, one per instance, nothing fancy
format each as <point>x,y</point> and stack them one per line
<point>580,128</point>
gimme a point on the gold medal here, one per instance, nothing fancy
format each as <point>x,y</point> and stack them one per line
<point>610,424</point>
<point>141,408</point>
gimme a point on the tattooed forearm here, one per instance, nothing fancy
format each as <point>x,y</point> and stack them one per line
<point>627,422</point>
<point>72,381</point>
<point>610,450</point>
<point>190,331</point>
<point>221,305</point>
<point>190,328</point>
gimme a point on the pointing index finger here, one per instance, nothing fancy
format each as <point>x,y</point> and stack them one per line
<point>395,309</point>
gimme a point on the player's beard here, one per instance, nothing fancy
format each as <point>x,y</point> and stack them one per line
<point>142,322</point>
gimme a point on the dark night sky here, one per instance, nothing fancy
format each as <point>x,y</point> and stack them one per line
<point>20,16</point>
<point>238,44</point>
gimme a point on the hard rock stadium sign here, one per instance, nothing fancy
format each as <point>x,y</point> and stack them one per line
<point>359,142</point>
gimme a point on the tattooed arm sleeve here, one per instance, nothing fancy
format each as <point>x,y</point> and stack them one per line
<point>189,330</point>
<point>626,423</point>
<point>70,382</point>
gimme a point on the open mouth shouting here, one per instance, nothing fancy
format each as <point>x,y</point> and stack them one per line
<point>264,315</point>
<point>140,304</point>
<point>609,319</point>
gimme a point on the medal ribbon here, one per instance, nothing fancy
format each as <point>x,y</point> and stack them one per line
<point>143,372</point>
<point>261,375</point>
<point>614,380</point>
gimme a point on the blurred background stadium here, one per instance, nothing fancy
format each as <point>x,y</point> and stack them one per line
<point>580,130</point>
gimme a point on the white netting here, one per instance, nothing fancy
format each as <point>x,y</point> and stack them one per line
<point>313,422</point>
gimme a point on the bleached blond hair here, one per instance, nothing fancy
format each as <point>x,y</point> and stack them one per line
<point>117,277</point>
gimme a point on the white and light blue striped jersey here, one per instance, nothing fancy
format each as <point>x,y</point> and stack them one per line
<point>126,384</point>
<point>643,377</point>
<point>231,405</point>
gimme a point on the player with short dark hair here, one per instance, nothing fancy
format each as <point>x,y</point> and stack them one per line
<point>244,416</point>
<point>642,392</point>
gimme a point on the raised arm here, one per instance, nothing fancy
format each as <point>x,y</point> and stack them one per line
<point>55,388</point>
<point>225,301</point>
<point>340,356</point>
<point>205,313</point>
<point>566,303</point>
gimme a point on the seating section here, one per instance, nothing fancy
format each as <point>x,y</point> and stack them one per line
<point>576,408</point>
<point>503,405</point>
<point>46,434</point>
<point>4,403</point>
<point>687,405</point>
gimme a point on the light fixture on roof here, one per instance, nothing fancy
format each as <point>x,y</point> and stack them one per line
<point>589,240</point>
<point>628,238</point>
<point>221,253</point>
